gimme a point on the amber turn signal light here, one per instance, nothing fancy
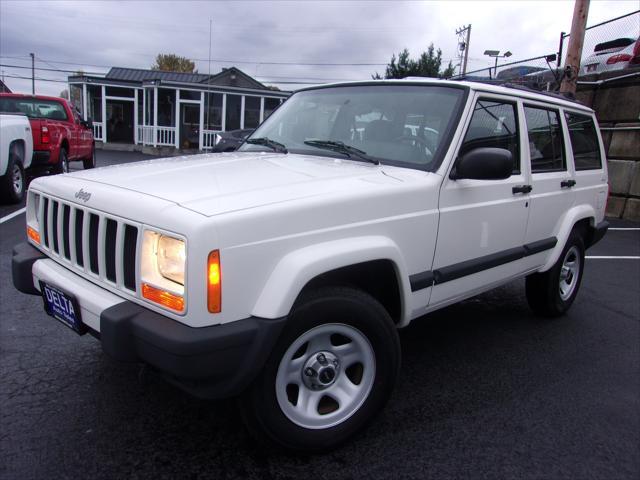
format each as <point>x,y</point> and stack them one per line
<point>33,235</point>
<point>214,283</point>
<point>163,297</point>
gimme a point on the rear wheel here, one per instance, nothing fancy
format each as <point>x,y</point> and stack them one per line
<point>331,371</point>
<point>63,162</point>
<point>13,181</point>
<point>551,293</point>
<point>90,161</point>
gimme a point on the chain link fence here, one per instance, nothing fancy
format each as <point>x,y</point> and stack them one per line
<point>608,46</point>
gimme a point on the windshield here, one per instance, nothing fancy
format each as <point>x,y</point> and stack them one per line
<point>395,124</point>
<point>33,108</point>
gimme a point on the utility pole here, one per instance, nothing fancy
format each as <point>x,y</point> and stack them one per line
<point>33,73</point>
<point>463,45</point>
<point>574,50</point>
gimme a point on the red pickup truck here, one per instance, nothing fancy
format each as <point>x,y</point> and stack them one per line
<point>59,134</point>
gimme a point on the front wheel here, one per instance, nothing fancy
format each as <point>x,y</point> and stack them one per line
<point>331,371</point>
<point>551,293</point>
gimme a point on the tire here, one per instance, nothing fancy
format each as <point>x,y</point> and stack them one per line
<point>63,162</point>
<point>13,181</point>
<point>345,325</point>
<point>90,162</point>
<point>551,293</point>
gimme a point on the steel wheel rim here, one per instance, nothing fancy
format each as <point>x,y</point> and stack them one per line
<point>65,165</point>
<point>325,399</point>
<point>16,179</point>
<point>569,272</point>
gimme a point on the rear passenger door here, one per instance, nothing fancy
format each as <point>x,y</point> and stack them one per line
<point>552,177</point>
<point>482,222</point>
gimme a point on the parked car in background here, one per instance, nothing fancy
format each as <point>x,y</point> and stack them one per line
<point>16,149</point>
<point>616,54</point>
<point>59,134</point>
<point>231,140</point>
<point>517,72</point>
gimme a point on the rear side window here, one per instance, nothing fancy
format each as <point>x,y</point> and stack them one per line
<point>545,140</point>
<point>584,141</point>
<point>493,124</point>
<point>34,108</point>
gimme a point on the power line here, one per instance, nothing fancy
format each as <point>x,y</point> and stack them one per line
<point>40,79</point>
<point>51,69</point>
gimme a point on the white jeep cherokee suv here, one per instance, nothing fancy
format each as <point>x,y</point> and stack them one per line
<point>281,272</point>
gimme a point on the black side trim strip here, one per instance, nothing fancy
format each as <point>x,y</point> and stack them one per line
<point>540,246</point>
<point>462,269</point>
<point>421,280</point>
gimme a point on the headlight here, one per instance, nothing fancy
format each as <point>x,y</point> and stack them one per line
<point>171,256</point>
<point>162,269</point>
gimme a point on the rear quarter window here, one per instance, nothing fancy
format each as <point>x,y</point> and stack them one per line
<point>584,141</point>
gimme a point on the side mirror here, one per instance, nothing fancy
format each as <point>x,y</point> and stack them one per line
<point>484,163</point>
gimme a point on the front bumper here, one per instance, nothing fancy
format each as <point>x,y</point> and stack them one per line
<point>209,362</point>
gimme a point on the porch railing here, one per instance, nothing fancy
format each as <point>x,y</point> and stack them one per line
<point>209,139</point>
<point>98,129</point>
<point>164,136</point>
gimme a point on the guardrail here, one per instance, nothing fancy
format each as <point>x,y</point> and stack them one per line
<point>209,138</point>
<point>98,129</point>
<point>150,135</point>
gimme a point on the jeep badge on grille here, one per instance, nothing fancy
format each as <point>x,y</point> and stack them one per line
<point>82,195</point>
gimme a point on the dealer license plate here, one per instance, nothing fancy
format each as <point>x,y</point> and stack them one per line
<point>63,307</point>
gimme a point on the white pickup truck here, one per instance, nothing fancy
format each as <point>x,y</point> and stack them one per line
<point>281,272</point>
<point>16,150</point>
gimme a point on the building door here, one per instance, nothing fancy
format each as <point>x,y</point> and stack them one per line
<point>120,120</point>
<point>189,125</point>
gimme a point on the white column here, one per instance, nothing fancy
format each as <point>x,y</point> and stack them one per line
<point>84,101</point>
<point>224,112</point>
<point>201,130</point>
<point>177,120</point>
<point>135,117</point>
<point>155,116</point>
<point>261,109</point>
<point>144,106</point>
<point>242,112</point>
<point>104,114</point>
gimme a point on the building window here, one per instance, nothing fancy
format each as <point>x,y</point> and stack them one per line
<point>270,104</point>
<point>94,100</point>
<point>119,92</point>
<point>189,95</point>
<point>545,140</point>
<point>251,112</point>
<point>75,97</point>
<point>166,107</point>
<point>584,142</point>
<point>232,120</point>
<point>148,120</point>
<point>213,111</point>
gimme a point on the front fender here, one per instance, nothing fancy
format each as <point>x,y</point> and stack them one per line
<point>299,267</point>
<point>573,216</point>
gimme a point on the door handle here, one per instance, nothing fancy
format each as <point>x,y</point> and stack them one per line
<point>521,189</point>
<point>567,183</point>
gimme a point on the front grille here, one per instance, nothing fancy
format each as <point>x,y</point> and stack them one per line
<point>89,241</point>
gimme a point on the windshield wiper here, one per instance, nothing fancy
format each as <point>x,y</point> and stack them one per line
<point>267,142</point>
<point>341,147</point>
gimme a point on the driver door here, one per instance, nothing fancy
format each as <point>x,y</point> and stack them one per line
<point>482,222</point>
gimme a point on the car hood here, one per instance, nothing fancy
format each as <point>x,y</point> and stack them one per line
<point>212,184</point>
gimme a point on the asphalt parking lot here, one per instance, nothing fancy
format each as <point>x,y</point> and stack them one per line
<point>487,390</point>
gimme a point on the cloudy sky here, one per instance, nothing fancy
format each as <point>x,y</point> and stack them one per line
<point>273,41</point>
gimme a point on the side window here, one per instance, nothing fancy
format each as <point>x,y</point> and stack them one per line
<point>494,124</point>
<point>584,141</point>
<point>545,140</point>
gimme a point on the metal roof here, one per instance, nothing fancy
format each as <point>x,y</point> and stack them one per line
<point>139,75</point>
